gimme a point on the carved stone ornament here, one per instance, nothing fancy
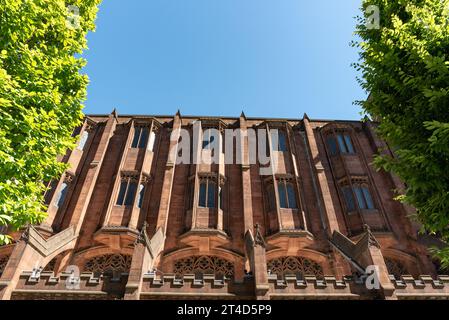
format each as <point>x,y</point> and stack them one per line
<point>204,265</point>
<point>258,238</point>
<point>372,241</point>
<point>298,266</point>
<point>108,263</point>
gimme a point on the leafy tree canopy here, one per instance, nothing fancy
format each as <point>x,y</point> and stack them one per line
<point>405,68</point>
<point>41,95</point>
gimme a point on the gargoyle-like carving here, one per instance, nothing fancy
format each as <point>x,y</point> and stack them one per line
<point>258,238</point>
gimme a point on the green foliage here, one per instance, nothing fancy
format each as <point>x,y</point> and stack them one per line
<point>405,68</point>
<point>41,94</point>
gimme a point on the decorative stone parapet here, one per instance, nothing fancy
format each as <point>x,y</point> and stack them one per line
<point>423,287</point>
<point>189,286</point>
<point>37,285</point>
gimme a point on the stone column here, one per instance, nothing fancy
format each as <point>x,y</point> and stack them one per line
<point>169,174</point>
<point>140,263</point>
<point>331,222</point>
<point>92,173</point>
<point>246,175</point>
<point>256,252</point>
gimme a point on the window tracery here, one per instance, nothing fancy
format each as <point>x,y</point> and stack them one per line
<point>395,267</point>
<point>108,263</point>
<point>298,266</point>
<point>203,265</point>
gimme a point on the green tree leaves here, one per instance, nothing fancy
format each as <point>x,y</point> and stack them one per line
<point>405,68</point>
<point>41,94</point>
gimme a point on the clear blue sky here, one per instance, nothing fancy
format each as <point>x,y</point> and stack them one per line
<point>274,58</point>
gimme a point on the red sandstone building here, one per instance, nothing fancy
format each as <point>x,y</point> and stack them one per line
<point>126,221</point>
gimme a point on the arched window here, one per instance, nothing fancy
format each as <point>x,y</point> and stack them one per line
<point>359,195</point>
<point>345,143</point>
<point>332,145</point>
<point>140,138</point>
<point>127,191</point>
<point>343,146</point>
<point>207,194</point>
<point>287,195</point>
<point>364,199</point>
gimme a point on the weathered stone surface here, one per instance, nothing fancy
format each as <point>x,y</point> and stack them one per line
<point>159,243</point>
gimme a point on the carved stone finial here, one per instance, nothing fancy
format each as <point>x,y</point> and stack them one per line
<point>114,113</point>
<point>141,238</point>
<point>258,238</point>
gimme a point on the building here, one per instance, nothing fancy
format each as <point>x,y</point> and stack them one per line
<point>127,220</point>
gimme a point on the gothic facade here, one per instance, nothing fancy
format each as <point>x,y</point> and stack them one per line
<point>128,220</point>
